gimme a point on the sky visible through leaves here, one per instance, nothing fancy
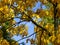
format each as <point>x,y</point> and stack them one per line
<point>30,26</point>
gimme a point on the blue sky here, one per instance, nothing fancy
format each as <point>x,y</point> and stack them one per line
<point>30,31</point>
<point>30,25</point>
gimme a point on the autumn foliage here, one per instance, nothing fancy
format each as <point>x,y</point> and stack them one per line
<point>47,30</point>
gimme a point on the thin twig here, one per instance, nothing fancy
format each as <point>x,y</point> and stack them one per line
<point>28,36</point>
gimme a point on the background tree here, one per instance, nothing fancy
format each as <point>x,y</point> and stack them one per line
<point>47,30</point>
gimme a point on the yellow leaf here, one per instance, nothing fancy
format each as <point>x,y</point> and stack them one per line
<point>48,41</point>
<point>47,13</point>
<point>21,32</point>
<point>53,38</point>
<point>5,42</point>
<point>1,9</point>
<point>58,6</point>
<point>37,16</point>
<point>45,41</point>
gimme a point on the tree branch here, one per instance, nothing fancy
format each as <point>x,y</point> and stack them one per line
<point>28,36</point>
<point>55,17</point>
<point>43,29</point>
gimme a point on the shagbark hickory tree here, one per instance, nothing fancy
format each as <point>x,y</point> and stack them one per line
<point>47,30</point>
